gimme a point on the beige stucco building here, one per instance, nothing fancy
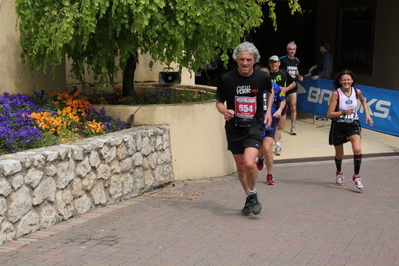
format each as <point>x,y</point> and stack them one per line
<point>143,73</point>
<point>323,19</point>
<point>14,78</point>
<point>384,37</point>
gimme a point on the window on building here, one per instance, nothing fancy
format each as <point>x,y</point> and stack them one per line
<point>356,35</point>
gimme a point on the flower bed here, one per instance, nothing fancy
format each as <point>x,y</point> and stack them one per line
<point>197,134</point>
<point>148,93</point>
<point>28,122</point>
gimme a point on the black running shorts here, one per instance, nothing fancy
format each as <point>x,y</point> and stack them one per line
<point>252,139</point>
<point>291,91</point>
<point>340,132</point>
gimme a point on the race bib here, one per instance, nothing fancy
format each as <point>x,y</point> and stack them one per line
<point>245,107</point>
<point>347,118</point>
<point>292,70</point>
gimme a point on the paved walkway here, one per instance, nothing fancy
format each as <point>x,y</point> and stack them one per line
<point>307,220</point>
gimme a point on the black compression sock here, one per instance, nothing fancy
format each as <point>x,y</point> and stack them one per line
<point>357,160</point>
<point>338,164</point>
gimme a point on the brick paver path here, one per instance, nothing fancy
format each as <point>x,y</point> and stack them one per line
<point>307,220</point>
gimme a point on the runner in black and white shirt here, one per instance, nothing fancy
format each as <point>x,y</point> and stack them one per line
<point>291,63</point>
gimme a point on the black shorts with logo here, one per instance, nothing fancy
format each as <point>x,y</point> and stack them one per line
<point>340,132</point>
<point>238,139</point>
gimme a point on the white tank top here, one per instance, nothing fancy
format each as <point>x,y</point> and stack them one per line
<point>345,103</point>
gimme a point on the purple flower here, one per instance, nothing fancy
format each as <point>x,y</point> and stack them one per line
<point>19,132</point>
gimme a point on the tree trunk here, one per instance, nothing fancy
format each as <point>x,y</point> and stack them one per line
<point>128,76</point>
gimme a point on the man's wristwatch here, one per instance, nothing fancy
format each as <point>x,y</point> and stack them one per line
<point>343,112</point>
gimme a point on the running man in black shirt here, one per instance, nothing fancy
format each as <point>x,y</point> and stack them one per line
<point>242,91</point>
<point>291,63</point>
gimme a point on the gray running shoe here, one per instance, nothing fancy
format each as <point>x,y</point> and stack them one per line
<point>256,206</point>
<point>293,131</point>
<point>247,210</point>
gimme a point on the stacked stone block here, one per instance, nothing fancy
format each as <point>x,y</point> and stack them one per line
<point>41,187</point>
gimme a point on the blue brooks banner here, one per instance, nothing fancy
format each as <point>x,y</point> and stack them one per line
<point>314,97</point>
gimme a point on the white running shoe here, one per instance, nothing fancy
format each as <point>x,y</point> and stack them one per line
<point>293,131</point>
<point>358,183</point>
<point>339,179</point>
<point>277,151</point>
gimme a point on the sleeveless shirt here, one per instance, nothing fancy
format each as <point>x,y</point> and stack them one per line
<point>345,103</point>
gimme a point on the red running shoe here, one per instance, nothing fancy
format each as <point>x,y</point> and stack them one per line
<point>270,180</point>
<point>260,164</point>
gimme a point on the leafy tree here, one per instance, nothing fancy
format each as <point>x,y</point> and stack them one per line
<point>95,33</point>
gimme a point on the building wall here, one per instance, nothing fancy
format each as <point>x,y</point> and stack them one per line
<point>385,44</point>
<point>386,39</point>
<point>14,78</point>
<point>143,73</point>
<point>326,24</point>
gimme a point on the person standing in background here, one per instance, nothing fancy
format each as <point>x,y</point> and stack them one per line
<point>324,67</point>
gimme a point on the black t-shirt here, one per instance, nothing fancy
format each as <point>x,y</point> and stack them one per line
<point>244,95</point>
<point>282,78</point>
<point>291,65</point>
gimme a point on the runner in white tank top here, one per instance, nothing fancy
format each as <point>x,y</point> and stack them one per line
<point>345,125</point>
<point>346,103</point>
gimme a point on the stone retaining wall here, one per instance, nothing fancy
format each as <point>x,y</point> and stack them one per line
<point>197,135</point>
<point>41,187</point>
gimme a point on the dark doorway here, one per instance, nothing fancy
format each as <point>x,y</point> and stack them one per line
<point>300,28</point>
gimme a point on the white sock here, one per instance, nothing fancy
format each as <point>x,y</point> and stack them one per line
<point>251,192</point>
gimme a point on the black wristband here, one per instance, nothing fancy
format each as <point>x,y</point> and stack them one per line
<point>343,112</point>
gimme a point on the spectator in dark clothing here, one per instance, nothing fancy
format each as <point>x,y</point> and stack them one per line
<point>324,67</point>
